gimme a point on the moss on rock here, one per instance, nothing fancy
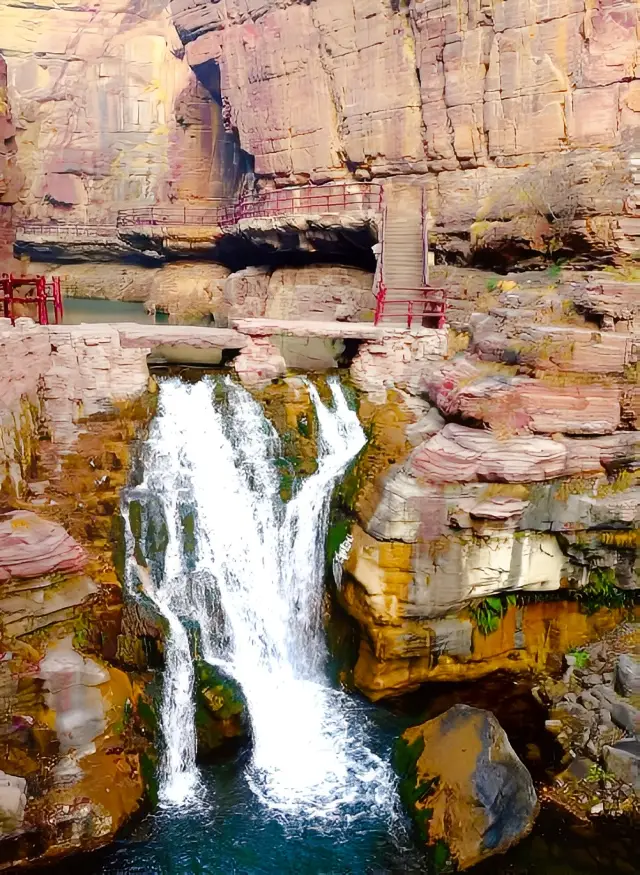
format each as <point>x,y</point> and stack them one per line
<point>221,715</point>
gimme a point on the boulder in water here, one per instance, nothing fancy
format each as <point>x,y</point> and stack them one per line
<point>464,786</point>
<point>221,715</point>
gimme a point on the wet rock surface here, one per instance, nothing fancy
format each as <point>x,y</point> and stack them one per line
<point>467,791</point>
<point>76,758</point>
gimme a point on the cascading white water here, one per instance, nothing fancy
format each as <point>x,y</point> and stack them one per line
<point>255,590</point>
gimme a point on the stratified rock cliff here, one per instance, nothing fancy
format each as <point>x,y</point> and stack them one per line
<point>514,108</point>
<point>518,478</point>
<point>107,111</point>
<point>8,174</point>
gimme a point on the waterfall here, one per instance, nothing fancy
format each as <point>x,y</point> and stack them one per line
<point>252,584</point>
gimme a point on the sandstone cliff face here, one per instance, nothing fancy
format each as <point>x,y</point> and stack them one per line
<point>519,107</point>
<point>532,488</point>
<point>8,175</point>
<point>322,292</point>
<point>108,113</point>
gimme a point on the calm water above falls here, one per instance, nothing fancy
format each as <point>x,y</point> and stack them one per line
<point>314,793</point>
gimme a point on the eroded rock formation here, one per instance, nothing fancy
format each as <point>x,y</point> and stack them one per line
<point>107,112</point>
<point>523,112</point>
<point>76,757</point>
<point>9,178</point>
<point>532,488</point>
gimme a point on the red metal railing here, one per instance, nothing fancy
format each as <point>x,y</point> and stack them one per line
<point>39,293</point>
<point>309,199</point>
<point>304,200</point>
<point>332,198</point>
<point>63,230</point>
<point>426,306</point>
<point>220,212</point>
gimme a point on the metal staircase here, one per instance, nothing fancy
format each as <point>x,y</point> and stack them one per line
<point>403,294</point>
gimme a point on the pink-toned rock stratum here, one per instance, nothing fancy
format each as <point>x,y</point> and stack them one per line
<point>32,547</point>
<point>8,175</point>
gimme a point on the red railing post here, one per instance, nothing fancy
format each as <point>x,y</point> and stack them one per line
<point>41,295</point>
<point>6,285</point>
<point>57,300</point>
<point>12,309</point>
<point>379,303</point>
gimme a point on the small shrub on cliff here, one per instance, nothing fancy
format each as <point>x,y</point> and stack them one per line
<point>581,657</point>
<point>488,613</point>
<point>492,284</point>
<point>601,591</point>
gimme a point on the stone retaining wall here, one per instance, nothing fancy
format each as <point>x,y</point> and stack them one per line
<point>53,376</point>
<point>57,374</point>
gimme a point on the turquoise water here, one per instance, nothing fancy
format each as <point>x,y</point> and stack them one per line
<point>231,833</point>
<point>77,310</point>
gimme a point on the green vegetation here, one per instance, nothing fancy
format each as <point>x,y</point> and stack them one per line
<point>127,715</point>
<point>581,657</point>
<point>415,794</point>
<point>555,269</point>
<point>622,481</point>
<point>488,613</point>
<point>350,394</point>
<point>220,709</point>
<point>188,520</point>
<point>147,716</point>
<point>601,591</point>
<point>339,528</point>
<point>303,426</point>
<point>597,773</point>
<point>149,777</point>
<point>441,857</point>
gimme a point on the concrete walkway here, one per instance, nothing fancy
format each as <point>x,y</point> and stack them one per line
<point>134,336</point>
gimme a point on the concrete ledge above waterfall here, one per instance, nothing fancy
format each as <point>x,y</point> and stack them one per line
<point>309,328</point>
<point>133,336</point>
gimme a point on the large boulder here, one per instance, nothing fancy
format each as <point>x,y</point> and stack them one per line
<point>627,675</point>
<point>464,786</point>
<point>320,292</point>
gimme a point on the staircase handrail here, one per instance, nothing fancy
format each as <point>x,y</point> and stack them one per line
<point>425,238</point>
<point>425,302</point>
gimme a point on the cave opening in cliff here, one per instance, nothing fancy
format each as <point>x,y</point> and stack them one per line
<point>273,249</point>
